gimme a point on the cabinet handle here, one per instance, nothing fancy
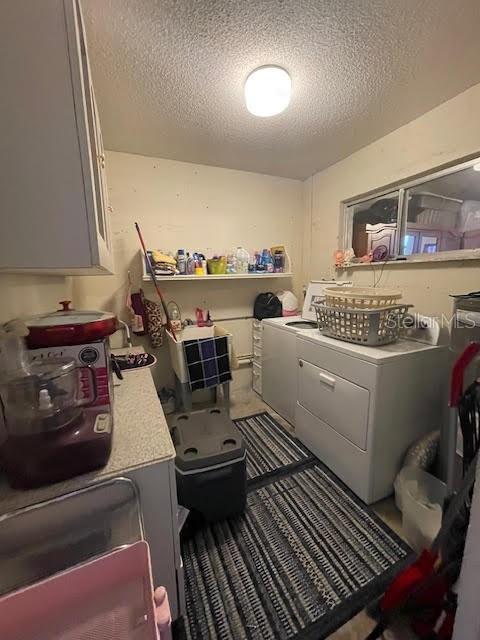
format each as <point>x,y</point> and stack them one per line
<point>328,380</point>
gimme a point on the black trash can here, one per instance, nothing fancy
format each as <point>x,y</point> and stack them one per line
<point>210,464</point>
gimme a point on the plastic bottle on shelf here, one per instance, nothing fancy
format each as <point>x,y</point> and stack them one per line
<point>174,316</point>
<point>181,262</point>
<point>259,266</point>
<point>231,263</point>
<point>242,256</point>
<point>279,261</point>
<point>267,261</point>
<point>252,263</point>
<point>190,265</point>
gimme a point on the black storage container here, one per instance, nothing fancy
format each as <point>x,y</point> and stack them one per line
<point>210,464</point>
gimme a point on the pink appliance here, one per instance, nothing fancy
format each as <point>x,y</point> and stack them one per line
<point>108,598</point>
<point>65,584</point>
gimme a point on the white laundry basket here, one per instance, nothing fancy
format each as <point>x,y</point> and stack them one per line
<point>361,297</point>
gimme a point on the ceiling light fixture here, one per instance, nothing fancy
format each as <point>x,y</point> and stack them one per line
<point>476,167</point>
<point>267,91</point>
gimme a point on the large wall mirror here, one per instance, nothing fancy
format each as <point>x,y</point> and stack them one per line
<point>435,217</point>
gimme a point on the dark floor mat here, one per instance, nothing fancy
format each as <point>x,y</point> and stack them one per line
<point>271,450</point>
<point>303,559</point>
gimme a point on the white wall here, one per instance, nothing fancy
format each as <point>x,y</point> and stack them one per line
<point>24,295</point>
<point>194,206</point>
<point>182,205</point>
<point>448,132</point>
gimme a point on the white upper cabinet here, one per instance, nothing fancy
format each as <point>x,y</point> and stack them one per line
<point>54,214</point>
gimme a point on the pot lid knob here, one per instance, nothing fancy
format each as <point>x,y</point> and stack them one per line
<point>66,305</point>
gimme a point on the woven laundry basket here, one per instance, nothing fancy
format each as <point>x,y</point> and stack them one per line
<point>361,297</point>
<point>370,327</point>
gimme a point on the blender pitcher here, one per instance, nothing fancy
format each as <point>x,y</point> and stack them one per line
<point>48,399</point>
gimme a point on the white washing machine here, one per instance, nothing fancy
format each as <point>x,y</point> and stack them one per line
<point>279,352</point>
<point>279,359</point>
<point>359,408</point>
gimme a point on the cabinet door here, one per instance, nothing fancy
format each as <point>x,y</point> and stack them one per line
<point>382,235</point>
<point>105,218</point>
<point>51,184</point>
<point>43,220</point>
<point>96,152</point>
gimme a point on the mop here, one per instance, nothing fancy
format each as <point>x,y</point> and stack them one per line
<point>152,273</point>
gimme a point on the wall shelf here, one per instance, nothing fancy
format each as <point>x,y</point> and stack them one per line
<point>226,276</point>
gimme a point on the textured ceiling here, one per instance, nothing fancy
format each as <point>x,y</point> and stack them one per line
<point>169,74</point>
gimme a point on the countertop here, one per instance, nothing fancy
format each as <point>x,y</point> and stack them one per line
<point>141,438</point>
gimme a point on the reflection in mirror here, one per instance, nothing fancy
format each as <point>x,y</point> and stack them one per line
<point>443,214</point>
<point>374,226</point>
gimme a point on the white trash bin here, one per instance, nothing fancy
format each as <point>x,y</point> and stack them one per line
<point>421,499</point>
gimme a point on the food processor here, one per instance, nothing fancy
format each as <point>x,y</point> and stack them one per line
<point>49,434</point>
<point>46,399</point>
<point>55,401</point>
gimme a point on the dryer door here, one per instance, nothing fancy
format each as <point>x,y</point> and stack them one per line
<point>339,403</point>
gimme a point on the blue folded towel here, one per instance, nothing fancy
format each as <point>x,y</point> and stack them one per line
<point>207,361</point>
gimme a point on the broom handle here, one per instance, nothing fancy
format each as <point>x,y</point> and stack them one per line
<point>152,274</point>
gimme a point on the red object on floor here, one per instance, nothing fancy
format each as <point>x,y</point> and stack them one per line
<point>425,604</point>
<point>407,580</point>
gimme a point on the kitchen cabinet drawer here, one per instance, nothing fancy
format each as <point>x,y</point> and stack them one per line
<point>257,378</point>
<point>341,404</point>
<point>53,161</point>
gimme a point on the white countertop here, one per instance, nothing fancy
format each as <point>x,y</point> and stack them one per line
<point>141,438</point>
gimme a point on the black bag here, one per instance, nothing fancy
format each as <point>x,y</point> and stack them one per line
<point>267,305</point>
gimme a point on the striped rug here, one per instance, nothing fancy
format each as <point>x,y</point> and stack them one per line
<point>271,450</point>
<point>303,559</point>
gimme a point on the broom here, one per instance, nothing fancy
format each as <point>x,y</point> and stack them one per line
<point>152,274</point>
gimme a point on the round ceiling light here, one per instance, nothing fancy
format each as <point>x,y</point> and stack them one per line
<point>267,91</point>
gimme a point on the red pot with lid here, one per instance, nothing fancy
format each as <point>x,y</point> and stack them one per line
<point>69,327</point>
